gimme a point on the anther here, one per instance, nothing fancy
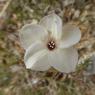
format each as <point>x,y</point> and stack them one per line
<point>51,45</point>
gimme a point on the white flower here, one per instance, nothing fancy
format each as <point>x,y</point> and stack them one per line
<point>46,45</point>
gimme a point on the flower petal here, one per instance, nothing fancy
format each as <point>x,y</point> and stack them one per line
<point>30,33</point>
<point>64,60</point>
<point>36,58</point>
<point>53,24</point>
<point>71,35</point>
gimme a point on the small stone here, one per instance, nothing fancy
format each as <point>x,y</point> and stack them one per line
<point>68,2</point>
<point>76,14</point>
<point>90,70</point>
<point>34,21</point>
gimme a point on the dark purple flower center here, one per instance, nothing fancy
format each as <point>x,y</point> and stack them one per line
<point>51,45</point>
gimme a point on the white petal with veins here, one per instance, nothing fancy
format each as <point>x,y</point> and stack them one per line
<point>71,36</point>
<point>38,61</point>
<point>53,24</point>
<point>30,33</point>
<point>64,60</point>
<point>33,48</point>
<point>35,57</point>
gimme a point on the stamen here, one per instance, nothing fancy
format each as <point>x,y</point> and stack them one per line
<point>51,45</point>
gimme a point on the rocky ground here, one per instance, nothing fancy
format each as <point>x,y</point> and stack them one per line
<point>14,78</point>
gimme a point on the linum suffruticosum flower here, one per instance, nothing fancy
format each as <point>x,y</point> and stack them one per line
<point>47,44</point>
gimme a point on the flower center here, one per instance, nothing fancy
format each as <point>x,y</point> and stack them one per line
<point>51,45</point>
